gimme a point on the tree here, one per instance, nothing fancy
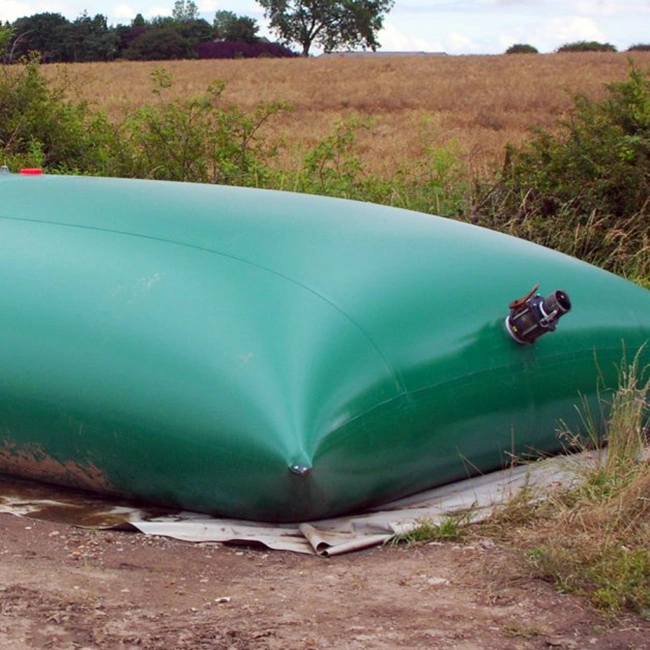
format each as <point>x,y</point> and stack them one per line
<point>522,48</point>
<point>228,26</point>
<point>194,31</point>
<point>158,44</point>
<point>92,39</point>
<point>329,23</point>
<point>45,33</point>
<point>587,46</point>
<point>185,11</point>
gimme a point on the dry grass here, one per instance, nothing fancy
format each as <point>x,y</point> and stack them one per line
<point>474,104</point>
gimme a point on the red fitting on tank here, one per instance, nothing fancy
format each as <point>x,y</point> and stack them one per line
<point>31,171</point>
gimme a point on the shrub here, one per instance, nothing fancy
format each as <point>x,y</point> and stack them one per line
<point>435,183</point>
<point>5,39</point>
<point>197,139</point>
<point>521,48</point>
<point>639,47</point>
<point>587,46</point>
<point>40,127</point>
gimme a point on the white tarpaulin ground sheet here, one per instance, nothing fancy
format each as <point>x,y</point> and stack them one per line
<point>476,498</point>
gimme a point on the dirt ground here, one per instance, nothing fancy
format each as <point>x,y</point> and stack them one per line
<point>69,588</point>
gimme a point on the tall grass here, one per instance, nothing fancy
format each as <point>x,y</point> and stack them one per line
<point>592,539</point>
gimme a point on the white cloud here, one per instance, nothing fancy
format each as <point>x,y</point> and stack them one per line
<point>457,43</point>
<point>209,6</point>
<point>393,40</point>
<point>513,3</point>
<point>153,12</point>
<point>599,7</point>
<point>568,30</point>
<point>548,35</point>
<point>124,11</point>
<point>12,9</point>
<point>610,8</point>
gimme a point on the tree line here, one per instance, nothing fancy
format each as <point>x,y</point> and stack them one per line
<point>329,24</point>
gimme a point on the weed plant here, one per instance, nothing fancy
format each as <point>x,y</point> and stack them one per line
<point>435,183</point>
<point>451,528</point>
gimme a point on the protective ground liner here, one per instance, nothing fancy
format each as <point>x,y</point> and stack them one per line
<point>474,499</point>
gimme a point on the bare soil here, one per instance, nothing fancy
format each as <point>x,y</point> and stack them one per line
<point>70,588</point>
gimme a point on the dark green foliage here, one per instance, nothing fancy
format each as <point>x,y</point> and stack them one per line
<point>195,31</point>
<point>57,40</point>
<point>639,47</point>
<point>45,33</point>
<point>159,44</point>
<point>585,189</point>
<point>38,127</point>
<point>228,26</point>
<point>241,50</point>
<point>5,39</point>
<point>197,139</point>
<point>92,40</point>
<point>185,11</point>
<point>587,46</point>
<point>522,48</point>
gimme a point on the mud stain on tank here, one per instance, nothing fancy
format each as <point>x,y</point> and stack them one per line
<point>34,462</point>
<point>67,493</point>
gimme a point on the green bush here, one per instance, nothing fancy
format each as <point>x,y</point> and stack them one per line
<point>39,127</point>
<point>435,183</point>
<point>639,47</point>
<point>587,46</point>
<point>522,48</point>
<point>5,39</point>
<point>198,139</point>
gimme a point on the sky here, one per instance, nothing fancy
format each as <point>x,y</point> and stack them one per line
<point>451,26</point>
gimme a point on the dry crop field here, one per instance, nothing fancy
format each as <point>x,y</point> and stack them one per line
<point>473,105</point>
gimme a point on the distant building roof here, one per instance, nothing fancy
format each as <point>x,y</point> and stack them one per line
<point>370,53</point>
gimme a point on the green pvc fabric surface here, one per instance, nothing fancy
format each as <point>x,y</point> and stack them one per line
<point>281,357</point>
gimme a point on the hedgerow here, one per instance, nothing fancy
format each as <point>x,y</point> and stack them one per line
<point>582,189</point>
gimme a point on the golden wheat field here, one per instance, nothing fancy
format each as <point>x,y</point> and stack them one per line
<point>473,105</point>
